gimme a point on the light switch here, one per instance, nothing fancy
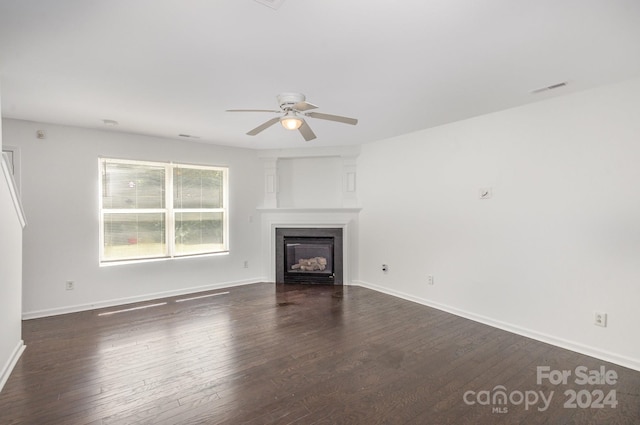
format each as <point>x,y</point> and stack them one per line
<point>485,193</point>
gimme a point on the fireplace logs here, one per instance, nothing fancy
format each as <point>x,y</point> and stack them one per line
<point>310,264</point>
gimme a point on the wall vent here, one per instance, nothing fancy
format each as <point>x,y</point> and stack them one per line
<point>551,87</point>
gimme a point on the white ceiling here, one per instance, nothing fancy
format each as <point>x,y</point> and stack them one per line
<point>165,67</point>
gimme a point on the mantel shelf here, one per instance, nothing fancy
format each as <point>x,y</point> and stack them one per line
<point>309,210</point>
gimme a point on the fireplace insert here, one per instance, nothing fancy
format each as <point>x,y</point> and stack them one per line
<point>309,255</point>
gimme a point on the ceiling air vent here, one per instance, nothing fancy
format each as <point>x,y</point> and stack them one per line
<point>274,4</point>
<point>551,87</point>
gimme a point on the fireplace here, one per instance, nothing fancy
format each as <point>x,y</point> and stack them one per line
<point>309,255</point>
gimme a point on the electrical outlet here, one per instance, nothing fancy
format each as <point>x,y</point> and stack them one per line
<point>69,285</point>
<point>600,319</point>
<point>430,279</point>
<point>246,264</point>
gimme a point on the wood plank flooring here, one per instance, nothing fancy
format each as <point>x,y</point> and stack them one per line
<point>295,354</point>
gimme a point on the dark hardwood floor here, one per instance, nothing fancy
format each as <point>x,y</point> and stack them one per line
<point>297,354</point>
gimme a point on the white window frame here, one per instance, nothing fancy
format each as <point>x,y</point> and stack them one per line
<point>169,211</point>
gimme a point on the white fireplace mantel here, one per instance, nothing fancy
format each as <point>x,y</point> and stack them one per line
<point>344,218</point>
<point>314,188</point>
<point>291,174</point>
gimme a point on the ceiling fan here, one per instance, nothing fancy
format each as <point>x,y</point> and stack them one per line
<point>293,107</point>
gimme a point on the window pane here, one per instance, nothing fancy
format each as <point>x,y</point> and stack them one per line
<point>130,236</point>
<point>198,233</point>
<point>135,213</point>
<point>197,188</point>
<point>133,186</point>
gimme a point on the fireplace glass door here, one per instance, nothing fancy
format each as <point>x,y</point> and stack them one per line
<point>309,259</point>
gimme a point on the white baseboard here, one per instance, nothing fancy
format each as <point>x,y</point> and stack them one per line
<point>618,359</point>
<point>128,300</point>
<point>11,363</point>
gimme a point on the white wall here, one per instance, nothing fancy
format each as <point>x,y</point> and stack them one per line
<point>11,344</point>
<point>559,240</point>
<point>60,197</point>
<point>310,182</point>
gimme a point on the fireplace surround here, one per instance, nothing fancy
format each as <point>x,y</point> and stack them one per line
<point>344,219</point>
<point>309,255</point>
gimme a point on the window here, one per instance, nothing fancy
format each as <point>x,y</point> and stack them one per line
<point>161,210</point>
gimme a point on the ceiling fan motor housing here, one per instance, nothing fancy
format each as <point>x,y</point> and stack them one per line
<point>288,100</point>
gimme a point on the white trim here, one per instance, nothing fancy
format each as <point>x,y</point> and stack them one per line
<point>170,219</point>
<point>128,300</point>
<point>13,190</point>
<point>310,210</point>
<point>11,363</point>
<point>549,339</point>
<point>16,163</point>
<point>351,151</point>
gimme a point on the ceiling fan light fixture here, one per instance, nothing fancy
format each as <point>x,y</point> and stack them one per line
<point>291,122</point>
<point>294,106</point>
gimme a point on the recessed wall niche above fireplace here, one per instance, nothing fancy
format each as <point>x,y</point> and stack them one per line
<point>309,255</point>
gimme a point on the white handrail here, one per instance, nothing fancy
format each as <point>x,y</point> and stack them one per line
<point>13,189</point>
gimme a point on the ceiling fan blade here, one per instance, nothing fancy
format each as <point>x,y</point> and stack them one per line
<point>338,118</point>
<point>252,110</point>
<point>304,106</point>
<point>264,126</point>
<point>306,131</point>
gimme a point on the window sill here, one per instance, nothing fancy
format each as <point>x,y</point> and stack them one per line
<point>154,260</point>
